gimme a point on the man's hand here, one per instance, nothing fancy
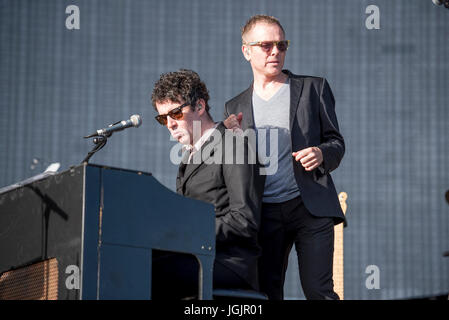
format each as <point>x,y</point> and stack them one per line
<point>310,158</point>
<point>234,122</point>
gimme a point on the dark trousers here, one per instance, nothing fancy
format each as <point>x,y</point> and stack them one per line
<point>175,276</point>
<point>288,223</point>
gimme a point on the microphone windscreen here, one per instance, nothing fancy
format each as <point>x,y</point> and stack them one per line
<point>136,120</point>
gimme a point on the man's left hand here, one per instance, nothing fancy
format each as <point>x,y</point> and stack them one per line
<point>310,158</point>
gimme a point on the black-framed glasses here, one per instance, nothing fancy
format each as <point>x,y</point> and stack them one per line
<point>175,114</point>
<point>267,46</point>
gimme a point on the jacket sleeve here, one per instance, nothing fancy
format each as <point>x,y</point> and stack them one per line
<point>332,143</point>
<point>242,220</point>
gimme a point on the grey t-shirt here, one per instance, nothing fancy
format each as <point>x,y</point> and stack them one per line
<point>274,144</point>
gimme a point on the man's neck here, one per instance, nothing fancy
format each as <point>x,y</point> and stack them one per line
<point>205,125</point>
<point>266,87</point>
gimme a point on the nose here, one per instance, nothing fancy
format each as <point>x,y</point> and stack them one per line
<point>171,123</point>
<point>275,50</point>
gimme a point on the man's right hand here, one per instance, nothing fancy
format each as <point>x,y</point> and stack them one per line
<point>234,122</point>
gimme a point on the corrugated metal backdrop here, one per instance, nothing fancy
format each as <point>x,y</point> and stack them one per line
<point>391,87</point>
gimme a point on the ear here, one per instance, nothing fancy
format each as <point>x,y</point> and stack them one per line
<point>200,106</point>
<point>246,52</point>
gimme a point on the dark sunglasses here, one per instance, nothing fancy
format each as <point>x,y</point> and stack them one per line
<point>175,114</point>
<point>267,46</point>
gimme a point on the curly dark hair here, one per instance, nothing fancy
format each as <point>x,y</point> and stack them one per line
<point>180,86</point>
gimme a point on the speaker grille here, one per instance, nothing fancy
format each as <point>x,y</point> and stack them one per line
<point>38,281</point>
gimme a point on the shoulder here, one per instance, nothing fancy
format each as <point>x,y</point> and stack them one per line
<point>240,96</point>
<point>312,80</point>
<point>316,84</point>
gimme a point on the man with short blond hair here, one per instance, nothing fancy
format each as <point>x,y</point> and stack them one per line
<point>300,203</point>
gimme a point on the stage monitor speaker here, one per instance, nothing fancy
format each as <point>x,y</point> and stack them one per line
<point>38,281</point>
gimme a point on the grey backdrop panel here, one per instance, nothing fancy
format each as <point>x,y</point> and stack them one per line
<point>57,85</point>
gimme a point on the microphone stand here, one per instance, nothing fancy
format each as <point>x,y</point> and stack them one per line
<point>101,137</point>
<point>99,142</point>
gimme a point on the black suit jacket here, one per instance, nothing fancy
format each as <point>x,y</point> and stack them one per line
<point>313,122</point>
<point>233,190</point>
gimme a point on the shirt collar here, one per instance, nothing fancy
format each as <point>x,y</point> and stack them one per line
<point>197,146</point>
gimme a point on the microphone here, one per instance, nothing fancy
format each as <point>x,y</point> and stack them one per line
<point>133,121</point>
<point>440,2</point>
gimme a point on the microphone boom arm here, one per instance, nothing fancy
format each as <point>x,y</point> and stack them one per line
<point>99,142</point>
<point>101,135</point>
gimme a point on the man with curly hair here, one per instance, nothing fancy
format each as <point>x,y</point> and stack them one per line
<point>181,100</point>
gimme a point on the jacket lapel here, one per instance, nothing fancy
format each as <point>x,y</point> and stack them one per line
<point>296,85</point>
<point>245,104</point>
<point>191,168</point>
<point>181,172</point>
